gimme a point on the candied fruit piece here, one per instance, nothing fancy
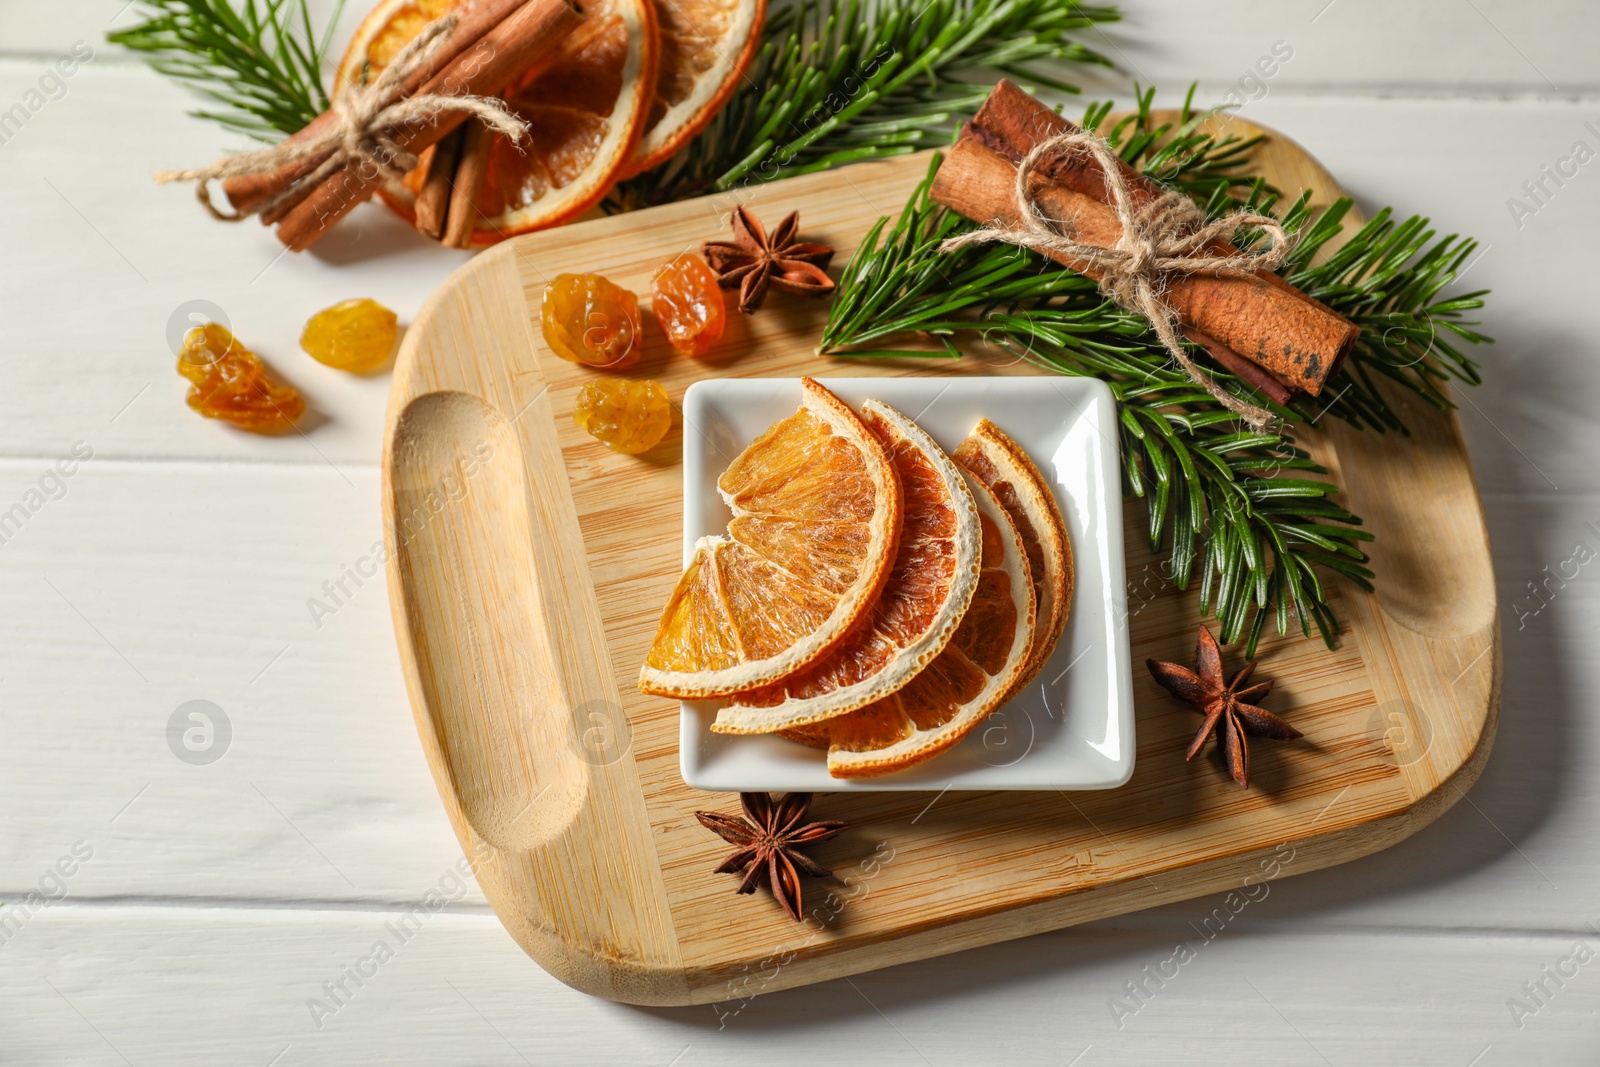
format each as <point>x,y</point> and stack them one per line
<point>590,320</point>
<point>231,383</point>
<point>629,416</point>
<point>688,303</point>
<point>355,335</point>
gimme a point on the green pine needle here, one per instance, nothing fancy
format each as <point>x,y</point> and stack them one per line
<point>261,60</point>
<point>1249,515</point>
<point>1388,280</point>
<point>840,81</point>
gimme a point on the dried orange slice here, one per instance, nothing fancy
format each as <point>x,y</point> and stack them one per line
<point>705,47</point>
<point>935,573</point>
<point>816,520</point>
<point>586,109</point>
<point>1002,465</point>
<point>975,673</point>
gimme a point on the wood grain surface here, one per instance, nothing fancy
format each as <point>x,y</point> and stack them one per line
<point>528,568</point>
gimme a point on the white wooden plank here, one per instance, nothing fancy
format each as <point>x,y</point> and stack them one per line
<point>1435,47</point>
<point>33,30</point>
<point>150,985</point>
<point>142,589</point>
<point>1425,46</point>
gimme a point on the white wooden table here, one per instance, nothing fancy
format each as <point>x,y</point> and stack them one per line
<point>228,912</point>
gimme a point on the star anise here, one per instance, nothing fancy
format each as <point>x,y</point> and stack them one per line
<point>755,260</point>
<point>1229,707</point>
<point>769,844</point>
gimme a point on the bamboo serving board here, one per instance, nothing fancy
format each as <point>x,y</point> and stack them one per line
<point>528,565</point>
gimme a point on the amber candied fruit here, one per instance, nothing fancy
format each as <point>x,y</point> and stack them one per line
<point>588,319</point>
<point>688,303</point>
<point>629,416</point>
<point>231,383</point>
<point>354,335</point>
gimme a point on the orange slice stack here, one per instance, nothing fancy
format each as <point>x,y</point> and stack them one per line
<point>932,583</point>
<point>966,616</point>
<point>817,515</point>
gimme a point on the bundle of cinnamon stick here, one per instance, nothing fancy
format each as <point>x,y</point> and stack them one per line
<point>1259,327</point>
<point>492,43</point>
<point>447,205</point>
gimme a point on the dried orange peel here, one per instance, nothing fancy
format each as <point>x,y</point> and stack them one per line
<point>929,589</point>
<point>817,512</point>
<point>706,46</point>
<point>1002,465</point>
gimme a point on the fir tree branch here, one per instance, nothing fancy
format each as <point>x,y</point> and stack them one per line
<point>840,81</point>
<point>261,60</point>
<point>1388,279</point>
<point>1252,510</point>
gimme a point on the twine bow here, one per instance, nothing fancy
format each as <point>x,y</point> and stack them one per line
<point>367,120</point>
<point>1167,236</point>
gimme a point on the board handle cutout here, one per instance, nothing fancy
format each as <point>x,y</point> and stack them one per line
<point>463,539</point>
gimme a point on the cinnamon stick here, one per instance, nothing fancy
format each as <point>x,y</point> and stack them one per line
<point>1241,368</point>
<point>473,21</point>
<point>433,202</point>
<point>1014,123</point>
<point>467,185</point>
<point>487,69</point>
<point>1263,319</point>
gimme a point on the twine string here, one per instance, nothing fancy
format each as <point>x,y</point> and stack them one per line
<point>1168,236</point>
<point>368,119</point>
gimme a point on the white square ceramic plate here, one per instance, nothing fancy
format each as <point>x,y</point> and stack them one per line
<point>1073,727</point>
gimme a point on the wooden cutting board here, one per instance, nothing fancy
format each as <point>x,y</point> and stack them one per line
<point>528,565</point>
